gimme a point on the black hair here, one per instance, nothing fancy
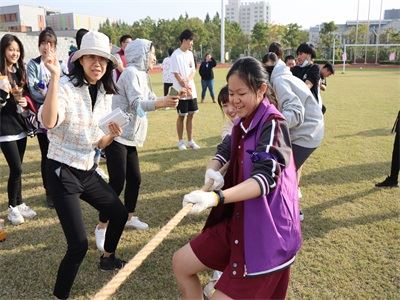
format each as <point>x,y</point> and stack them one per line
<point>187,34</point>
<point>5,42</point>
<point>276,48</point>
<point>124,37</point>
<point>329,67</point>
<point>288,57</point>
<point>253,74</point>
<point>79,35</point>
<point>270,56</point>
<point>170,51</point>
<point>223,96</point>
<point>77,77</point>
<point>307,48</point>
<point>48,35</point>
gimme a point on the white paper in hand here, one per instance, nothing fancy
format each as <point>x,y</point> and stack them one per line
<point>117,116</point>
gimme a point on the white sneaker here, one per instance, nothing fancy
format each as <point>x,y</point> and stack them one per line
<point>102,174</point>
<point>100,234</point>
<point>181,145</point>
<point>192,144</point>
<point>301,216</point>
<point>134,222</point>
<point>26,211</point>
<point>14,216</point>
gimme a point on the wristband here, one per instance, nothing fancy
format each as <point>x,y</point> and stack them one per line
<point>221,198</point>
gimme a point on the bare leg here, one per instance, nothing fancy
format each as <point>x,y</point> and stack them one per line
<point>186,266</point>
<point>189,126</point>
<point>179,126</point>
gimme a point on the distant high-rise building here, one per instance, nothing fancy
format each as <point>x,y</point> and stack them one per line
<point>248,14</point>
<point>392,14</point>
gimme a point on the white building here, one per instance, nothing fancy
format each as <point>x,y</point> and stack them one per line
<point>248,14</point>
<point>22,18</point>
<point>73,21</point>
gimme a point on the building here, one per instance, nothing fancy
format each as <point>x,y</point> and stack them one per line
<point>73,21</point>
<point>392,14</point>
<point>22,18</point>
<point>248,14</point>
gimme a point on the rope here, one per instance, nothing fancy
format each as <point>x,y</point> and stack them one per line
<point>111,287</point>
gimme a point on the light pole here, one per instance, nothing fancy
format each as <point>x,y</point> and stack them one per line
<point>222,32</point>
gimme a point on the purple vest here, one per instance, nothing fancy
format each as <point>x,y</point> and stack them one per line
<point>272,233</point>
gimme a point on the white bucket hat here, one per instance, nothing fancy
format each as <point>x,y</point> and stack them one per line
<point>95,43</point>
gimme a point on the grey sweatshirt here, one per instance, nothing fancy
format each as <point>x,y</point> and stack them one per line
<point>298,105</point>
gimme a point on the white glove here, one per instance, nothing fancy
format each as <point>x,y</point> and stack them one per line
<point>215,177</point>
<point>201,200</point>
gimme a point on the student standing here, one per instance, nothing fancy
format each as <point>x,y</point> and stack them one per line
<point>166,71</point>
<point>71,113</point>
<point>38,81</point>
<point>253,231</point>
<point>184,69</point>
<point>207,76</point>
<point>135,97</point>
<point>120,55</point>
<point>12,132</point>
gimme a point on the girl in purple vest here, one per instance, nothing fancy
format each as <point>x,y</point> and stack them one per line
<point>253,231</point>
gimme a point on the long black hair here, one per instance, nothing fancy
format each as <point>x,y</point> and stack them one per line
<point>77,76</point>
<point>253,74</point>
<point>5,42</point>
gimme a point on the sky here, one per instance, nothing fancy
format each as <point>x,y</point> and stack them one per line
<point>303,12</point>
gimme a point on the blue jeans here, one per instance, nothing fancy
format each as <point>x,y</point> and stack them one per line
<point>207,84</point>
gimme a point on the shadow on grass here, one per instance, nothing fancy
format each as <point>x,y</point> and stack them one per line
<point>347,174</point>
<point>317,226</point>
<point>368,133</point>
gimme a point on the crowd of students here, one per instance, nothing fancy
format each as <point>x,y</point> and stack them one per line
<point>274,123</point>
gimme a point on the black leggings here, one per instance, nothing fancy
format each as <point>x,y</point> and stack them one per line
<point>66,188</point>
<point>14,153</point>
<point>395,166</point>
<point>123,166</point>
<point>44,148</point>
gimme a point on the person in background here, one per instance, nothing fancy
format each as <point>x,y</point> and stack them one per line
<point>290,61</point>
<point>135,97</point>
<point>392,179</point>
<point>326,71</point>
<point>184,69</point>
<point>38,81</point>
<point>166,71</point>
<point>71,113</point>
<point>253,231</point>
<point>207,76</point>
<point>120,55</point>
<point>78,37</point>
<point>12,132</point>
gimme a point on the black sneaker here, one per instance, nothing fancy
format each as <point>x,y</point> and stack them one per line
<point>111,263</point>
<point>388,182</point>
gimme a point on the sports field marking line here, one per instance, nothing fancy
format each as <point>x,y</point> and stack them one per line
<point>111,287</point>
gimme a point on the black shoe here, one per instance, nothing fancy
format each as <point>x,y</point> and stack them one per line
<point>388,182</point>
<point>111,263</point>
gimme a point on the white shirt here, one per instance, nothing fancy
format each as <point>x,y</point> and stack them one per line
<point>166,70</point>
<point>183,64</point>
<point>77,132</point>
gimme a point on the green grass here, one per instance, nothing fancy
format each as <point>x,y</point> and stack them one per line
<point>350,234</point>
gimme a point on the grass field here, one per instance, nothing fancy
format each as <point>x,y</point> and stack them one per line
<point>351,231</point>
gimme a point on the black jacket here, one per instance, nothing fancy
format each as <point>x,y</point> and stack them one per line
<point>206,69</point>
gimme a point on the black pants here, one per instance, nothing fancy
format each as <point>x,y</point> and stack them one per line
<point>66,188</point>
<point>166,88</point>
<point>14,153</point>
<point>44,148</point>
<point>301,154</point>
<point>394,170</point>
<point>123,169</point>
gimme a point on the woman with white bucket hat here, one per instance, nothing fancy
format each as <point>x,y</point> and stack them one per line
<point>71,112</point>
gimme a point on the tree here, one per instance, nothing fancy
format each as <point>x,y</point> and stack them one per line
<point>260,39</point>
<point>327,35</point>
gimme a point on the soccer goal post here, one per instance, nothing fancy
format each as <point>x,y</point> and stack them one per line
<point>366,46</point>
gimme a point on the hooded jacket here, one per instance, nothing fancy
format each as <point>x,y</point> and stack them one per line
<point>298,105</point>
<point>135,96</point>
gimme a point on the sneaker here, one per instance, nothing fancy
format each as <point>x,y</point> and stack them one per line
<point>111,263</point>
<point>14,216</point>
<point>100,234</point>
<point>301,216</point>
<point>102,174</point>
<point>135,223</point>
<point>388,182</point>
<point>26,211</point>
<point>181,145</point>
<point>192,144</point>
<point>299,194</point>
